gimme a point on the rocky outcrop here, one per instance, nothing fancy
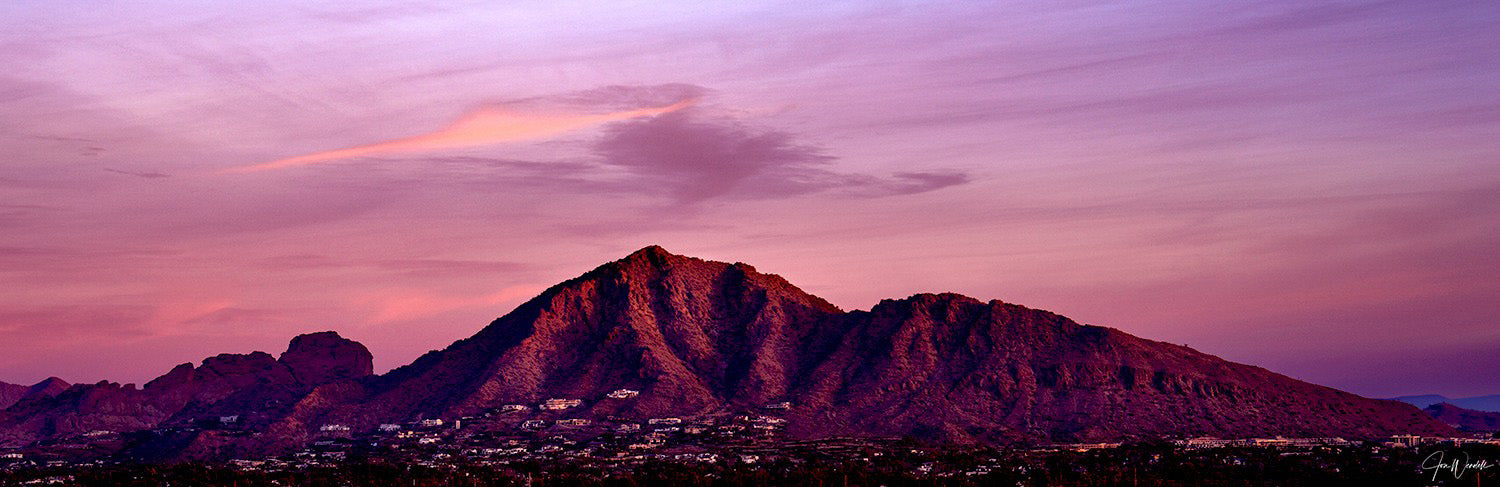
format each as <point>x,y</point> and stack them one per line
<point>319,358</point>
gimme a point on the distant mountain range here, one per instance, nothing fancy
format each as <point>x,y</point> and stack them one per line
<point>697,337</point>
<point>1490,403</point>
<point>1464,419</point>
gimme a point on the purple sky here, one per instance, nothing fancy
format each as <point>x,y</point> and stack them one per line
<point>1313,190</point>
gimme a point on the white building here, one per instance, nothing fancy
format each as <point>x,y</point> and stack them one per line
<point>560,404</point>
<point>1406,440</point>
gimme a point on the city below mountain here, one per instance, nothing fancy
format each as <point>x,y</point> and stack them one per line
<point>667,337</point>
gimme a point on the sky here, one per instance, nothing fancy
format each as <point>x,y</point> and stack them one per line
<point>1312,189</point>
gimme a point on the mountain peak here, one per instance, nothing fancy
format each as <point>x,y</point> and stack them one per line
<point>48,387</point>
<point>652,251</point>
<point>13,393</point>
<point>51,382</point>
<point>652,255</point>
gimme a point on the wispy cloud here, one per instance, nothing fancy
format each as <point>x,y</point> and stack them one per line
<point>147,175</point>
<point>922,182</point>
<point>76,319</point>
<point>436,268</point>
<point>480,127</point>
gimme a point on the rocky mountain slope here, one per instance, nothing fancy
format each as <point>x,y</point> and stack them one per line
<point>698,337</point>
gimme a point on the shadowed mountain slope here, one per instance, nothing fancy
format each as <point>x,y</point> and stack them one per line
<point>13,393</point>
<point>1464,419</point>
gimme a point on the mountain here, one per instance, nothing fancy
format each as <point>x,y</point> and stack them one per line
<point>1490,403</point>
<point>255,387</point>
<point>955,367</point>
<point>693,336</point>
<point>13,393</point>
<point>698,337</point>
<point>1464,419</point>
<point>1423,400</point>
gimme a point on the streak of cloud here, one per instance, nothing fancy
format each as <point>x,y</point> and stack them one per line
<point>147,175</point>
<point>485,126</point>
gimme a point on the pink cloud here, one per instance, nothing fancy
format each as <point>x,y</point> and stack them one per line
<point>484,126</point>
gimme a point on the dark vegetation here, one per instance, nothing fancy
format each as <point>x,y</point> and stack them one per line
<point>903,464</point>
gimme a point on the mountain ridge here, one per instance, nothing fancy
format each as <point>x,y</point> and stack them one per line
<point>13,393</point>
<point>697,337</point>
<point>1464,419</point>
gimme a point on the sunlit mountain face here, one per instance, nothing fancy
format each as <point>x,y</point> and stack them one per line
<point>1308,188</point>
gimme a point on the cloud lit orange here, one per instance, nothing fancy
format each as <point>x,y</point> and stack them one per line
<point>490,125</point>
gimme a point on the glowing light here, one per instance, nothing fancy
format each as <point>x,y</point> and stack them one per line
<point>490,125</point>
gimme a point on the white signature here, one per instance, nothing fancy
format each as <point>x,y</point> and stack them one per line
<point>1436,463</point>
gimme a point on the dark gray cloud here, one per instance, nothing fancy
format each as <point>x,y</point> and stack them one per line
<point>692,157</point>
<point>697,160</point>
